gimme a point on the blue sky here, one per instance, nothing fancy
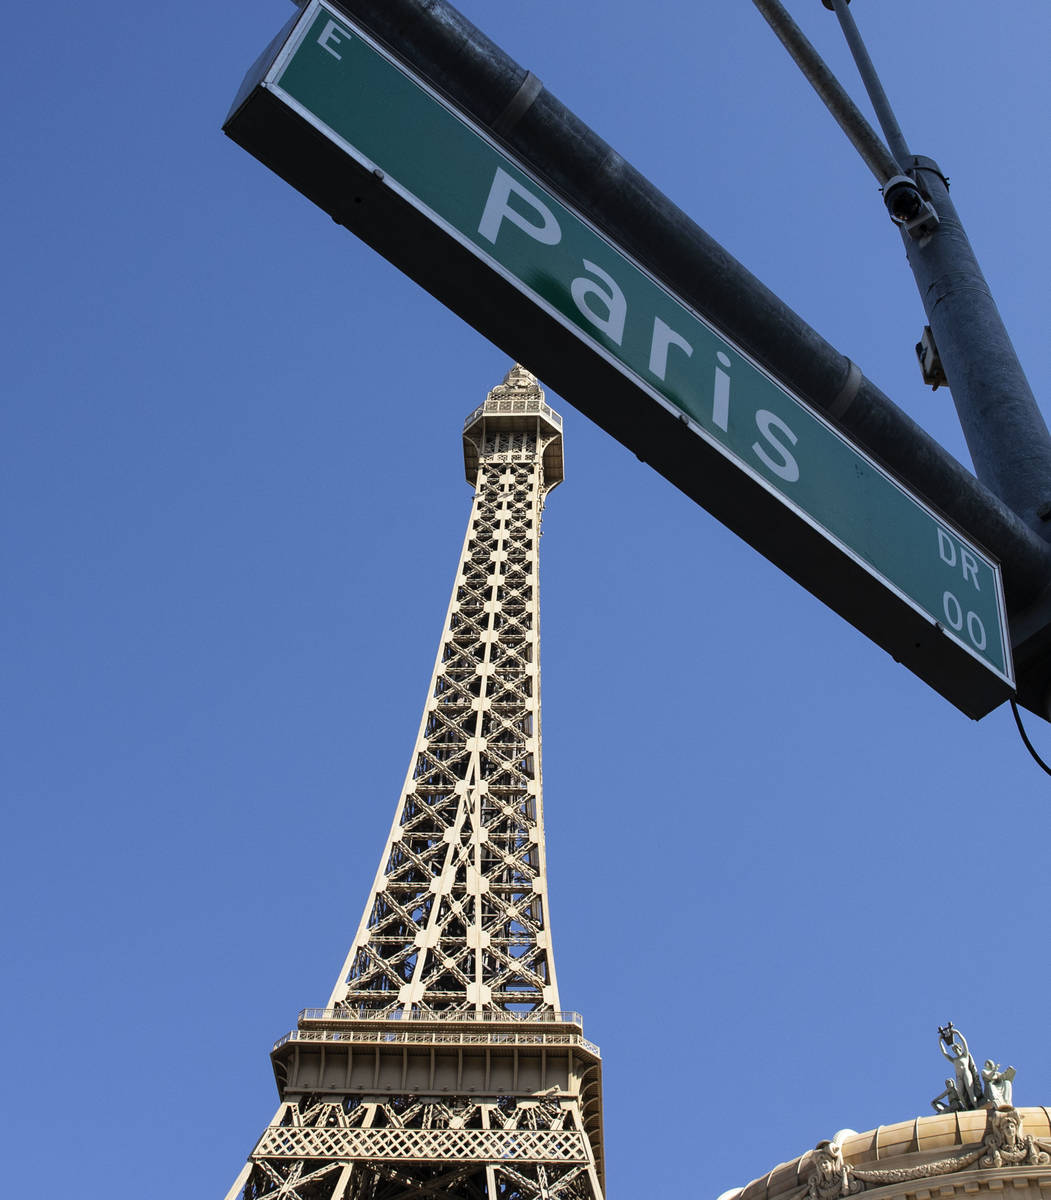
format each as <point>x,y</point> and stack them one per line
<point>233,504</point>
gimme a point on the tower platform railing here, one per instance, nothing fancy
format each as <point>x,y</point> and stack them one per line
<point>443,1036</point>
<point>446,1016</point>
<point>528,406</point>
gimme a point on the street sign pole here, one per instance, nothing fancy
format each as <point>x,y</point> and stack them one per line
<point>966,344</point>
<point>1005,430</point>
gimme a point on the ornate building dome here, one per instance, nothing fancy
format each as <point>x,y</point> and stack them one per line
<point>993,1149</point>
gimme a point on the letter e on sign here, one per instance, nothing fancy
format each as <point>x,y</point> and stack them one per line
<point>331,36</point>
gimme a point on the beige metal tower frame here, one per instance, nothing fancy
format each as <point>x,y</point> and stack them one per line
<point>443,1065</point>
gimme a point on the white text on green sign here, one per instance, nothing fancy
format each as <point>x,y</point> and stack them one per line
<point>350,90</point>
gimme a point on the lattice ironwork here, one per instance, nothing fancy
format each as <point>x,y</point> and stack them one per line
<point>458,915</point>
<point>457,922</point>
<point>423,1145</point>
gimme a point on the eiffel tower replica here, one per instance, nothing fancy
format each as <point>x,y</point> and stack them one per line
<point>443,1065</point>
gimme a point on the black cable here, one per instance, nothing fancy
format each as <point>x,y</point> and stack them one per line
<point>1028,743</point>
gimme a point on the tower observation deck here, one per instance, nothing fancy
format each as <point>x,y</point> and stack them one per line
<point>443,1064</point>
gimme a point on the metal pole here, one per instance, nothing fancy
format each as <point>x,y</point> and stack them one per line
<point>884,112</point>
<point>1005,431</point>
<point>849,118</point>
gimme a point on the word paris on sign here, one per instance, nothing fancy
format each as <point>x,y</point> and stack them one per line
<point>357,132</point>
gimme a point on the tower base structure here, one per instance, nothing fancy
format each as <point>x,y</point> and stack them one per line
<point>503,1107</point>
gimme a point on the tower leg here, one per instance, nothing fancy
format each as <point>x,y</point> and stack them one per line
<point>239,1182</point>
<point>341,1191</point>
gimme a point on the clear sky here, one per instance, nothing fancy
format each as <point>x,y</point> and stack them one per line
<point>233,501</point>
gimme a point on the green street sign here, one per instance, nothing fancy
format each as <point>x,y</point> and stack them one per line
<point>440,198</point>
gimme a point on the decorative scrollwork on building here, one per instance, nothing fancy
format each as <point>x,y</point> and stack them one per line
<point>1006,1145</point>
<point>832,1177</point>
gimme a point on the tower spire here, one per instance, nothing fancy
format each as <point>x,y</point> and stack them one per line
<point>483,1088</point>
<point>458,915</point>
